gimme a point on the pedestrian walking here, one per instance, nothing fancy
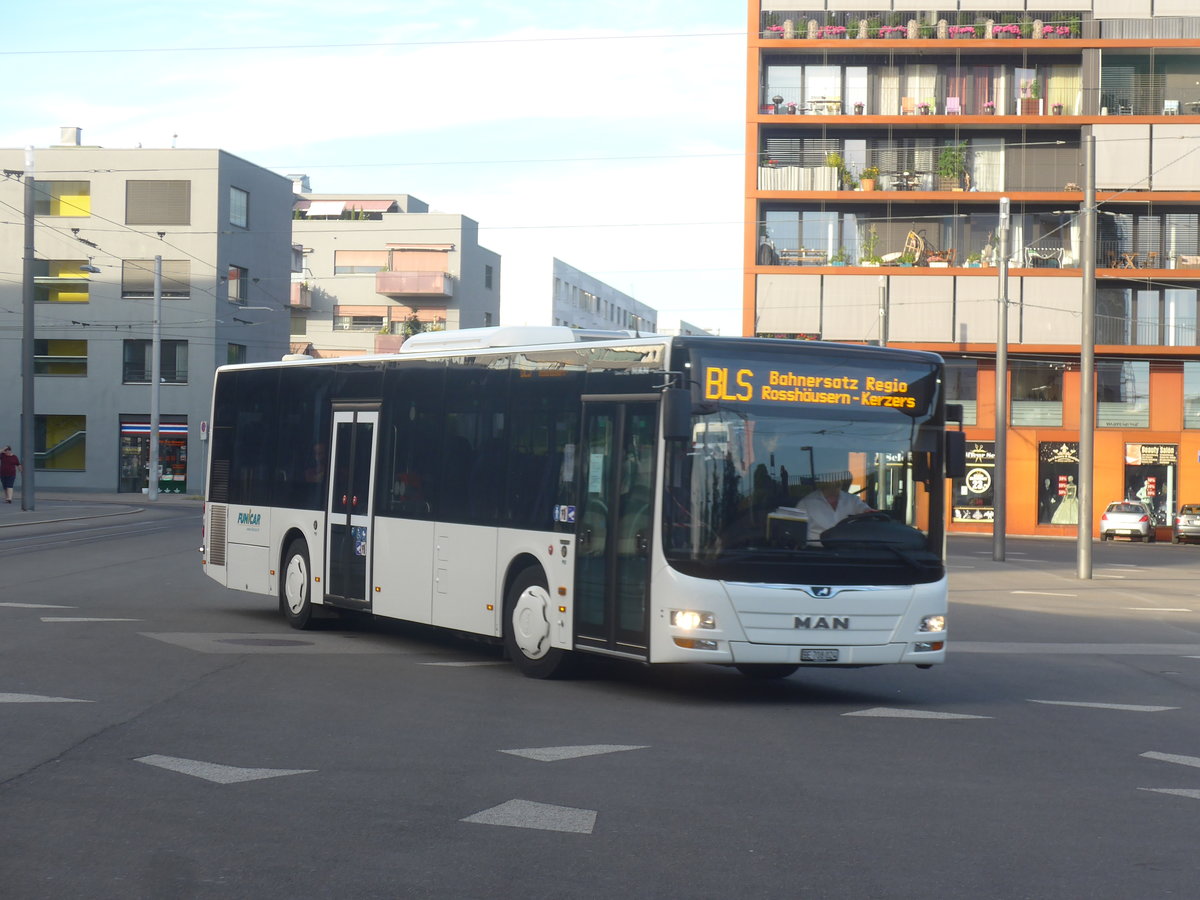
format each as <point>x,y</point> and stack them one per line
<point>9,467</point>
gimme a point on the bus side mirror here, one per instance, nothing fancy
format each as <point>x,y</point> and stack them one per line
<point>677,414</point>
<point>956,454</point>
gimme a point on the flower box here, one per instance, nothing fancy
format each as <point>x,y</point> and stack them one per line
<point>893,32</point>
<point>831,31</point>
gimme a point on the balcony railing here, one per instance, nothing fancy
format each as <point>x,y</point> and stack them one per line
<point>415,284</point>
<point>928,25</point>
<point>301,296</point>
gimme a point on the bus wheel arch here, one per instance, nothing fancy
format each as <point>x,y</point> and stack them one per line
<point>528,611</point>
<point>295,583</point>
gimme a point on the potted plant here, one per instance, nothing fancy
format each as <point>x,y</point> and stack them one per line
<point>839,258</point>
<point>858,109</point>
<point>1010,31</point>
<point>832,31</point>
<point>989,108</point>
<point>869,177</point>
<point>961,31</point>
<point>893,32</point>
<point>791,107</point>
<point>773,31</point>
<point>908,259</point>
<point>923,108</point>
<point>973,260</point>
<point>1030,92</point>
<point>950,166</point>
<point>870,249</point>
<point>1058,109</point>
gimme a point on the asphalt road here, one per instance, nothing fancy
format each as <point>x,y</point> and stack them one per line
<point>163,737</point>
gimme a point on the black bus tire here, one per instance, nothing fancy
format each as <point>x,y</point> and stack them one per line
<point>295,586</point>
<point>528,610</point>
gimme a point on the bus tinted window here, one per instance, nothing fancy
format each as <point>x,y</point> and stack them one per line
<point>472,473</point>
<point>244,429</point>
<point>411,441</point>
<point>303,428</point>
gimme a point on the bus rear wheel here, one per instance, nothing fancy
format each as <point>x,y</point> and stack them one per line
<point>527,612</point>
<point>767,670</point>
<point>295,586</point>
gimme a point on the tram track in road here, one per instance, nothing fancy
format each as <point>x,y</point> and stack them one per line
<point>51,536</point>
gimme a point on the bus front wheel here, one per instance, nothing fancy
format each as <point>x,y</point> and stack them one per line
<point>767,670</point>
<point>527,612</point>
<point>295,586</point>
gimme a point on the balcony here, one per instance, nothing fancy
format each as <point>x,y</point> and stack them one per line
<point>301,295</point>
<point>428,286</point>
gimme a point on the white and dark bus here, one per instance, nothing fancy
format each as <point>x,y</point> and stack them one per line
<point>641,497</point>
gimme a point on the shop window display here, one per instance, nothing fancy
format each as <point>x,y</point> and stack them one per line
<point>1058,483</point>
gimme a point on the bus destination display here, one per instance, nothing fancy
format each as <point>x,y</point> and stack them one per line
<point>906,390</point>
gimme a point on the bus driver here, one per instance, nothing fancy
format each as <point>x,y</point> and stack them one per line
<point>829,503</point>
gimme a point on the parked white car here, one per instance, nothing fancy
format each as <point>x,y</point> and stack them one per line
<point>1127,518</point>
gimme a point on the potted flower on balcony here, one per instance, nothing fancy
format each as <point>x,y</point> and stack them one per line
<point>773,31</point>
<point>1056,31</point>
<point>950,166</point>
<point>923,108</point>
<point>893,32</point>
<point>1010,31</point>
<point>791,107</point>
<point>907,259</point>
<point>973,260</point>
<point>840,258</point>
<point>989,108</point>
<point>1058,109</point>
<point>869,177</point>
<point>832,31</point>
<point>961,31</point>
<point>858,109</point>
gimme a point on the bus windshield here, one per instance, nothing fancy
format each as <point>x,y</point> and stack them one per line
<point>820,469</point>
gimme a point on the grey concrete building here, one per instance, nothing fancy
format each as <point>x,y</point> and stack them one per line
<point>377,267</point>
<point>221,226</point>
<point>544,290</point>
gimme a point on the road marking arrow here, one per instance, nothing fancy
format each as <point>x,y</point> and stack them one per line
<point>885,713</point>
<point>1168,757</point>
<point>1125,707</point>
<point>215,772</point>
<point>543,816</point>
<point>553,754</point>
<point>36,606</point>
<point>83,619</point>
<point>37,698</point>
<point>1178,792</point>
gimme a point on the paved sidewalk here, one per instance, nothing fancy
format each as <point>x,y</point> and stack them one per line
<point>62,506</point>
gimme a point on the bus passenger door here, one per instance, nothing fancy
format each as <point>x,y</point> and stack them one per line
<point>615,525</point>
<point>351,488</point>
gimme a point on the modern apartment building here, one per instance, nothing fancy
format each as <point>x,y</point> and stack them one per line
<point>544,290</point>
<point>377,267</point>
<point>881,139</point>
<point>220,225</point>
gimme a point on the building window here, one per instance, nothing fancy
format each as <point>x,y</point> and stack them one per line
<point>1152,476</point>
<point>60,281</point>
<point>1058,483</point>
<point>358,323</point>
<point>138,362</point>
<point>62,198</point>
<point>487,277</point>
<point>1191,395</point>
<point>1037,393</point>
<point>239,207</point>
<point>235,354</point>
<point>158,203</point>
<point>137,279</point>
<point>239,282</point>
<point>52,357</point>
<point>299,325</point>
<point>1122,393</point>
<point>487,320</point>
<point>961,387</point>
<point>359,262</point>
<point>60,443</point>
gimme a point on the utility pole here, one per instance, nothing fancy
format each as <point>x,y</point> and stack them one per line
<point>883,311</point>
<point>1000,472</point>
<point>28,456</point>
<point>1087,361</point>
<point>155,378</point>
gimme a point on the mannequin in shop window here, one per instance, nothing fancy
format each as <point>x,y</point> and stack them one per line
<point>1068,510</point>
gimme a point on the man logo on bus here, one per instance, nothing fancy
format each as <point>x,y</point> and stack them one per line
<point>834,623</point>
<point>249,518</point>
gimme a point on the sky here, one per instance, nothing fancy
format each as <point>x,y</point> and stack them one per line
<point>610,135</point>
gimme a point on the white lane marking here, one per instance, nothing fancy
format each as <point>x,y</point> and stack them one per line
<point>884,712</point>
<point>38,698</point>
<point>553,754</point>
<point>1098,575</point>
<point>1178,792</point>
<point>544,816</point>
<point>955,566</point>
<point>464,665</point>
<point>1172,758</point>
<point>214,771</point>
<point>83,619</point>
<point>36,606</point>
<point>1125,707</point>
<point>1044,593</point>
<point>1157,609</point>
<point>1124,566</point>
<point>272,642</point>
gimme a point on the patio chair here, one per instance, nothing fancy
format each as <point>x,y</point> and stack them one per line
<point>1170,107</point>
<point>908,106</point>
<point>953,106</point>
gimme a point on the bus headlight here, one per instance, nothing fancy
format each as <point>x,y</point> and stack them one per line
<point>690,620</point>
<point>933,623</point>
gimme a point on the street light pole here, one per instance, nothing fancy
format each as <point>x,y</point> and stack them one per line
<point>28,454</point>
<point>1000,472</point>
<point>1087,362</point>
<point>155,378</point>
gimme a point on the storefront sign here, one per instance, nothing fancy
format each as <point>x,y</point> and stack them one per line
<point>974,492</point>
<point>1151,454</point>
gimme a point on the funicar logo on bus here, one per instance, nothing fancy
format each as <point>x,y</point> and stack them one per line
<point>249,518</point>
<point>832,623</point>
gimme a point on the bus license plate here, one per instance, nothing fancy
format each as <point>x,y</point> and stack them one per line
<point>818,656</point>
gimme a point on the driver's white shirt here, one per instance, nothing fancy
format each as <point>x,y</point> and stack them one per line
<point>822,516</point>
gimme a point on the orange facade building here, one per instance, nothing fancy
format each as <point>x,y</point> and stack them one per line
<point>880,142</point>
